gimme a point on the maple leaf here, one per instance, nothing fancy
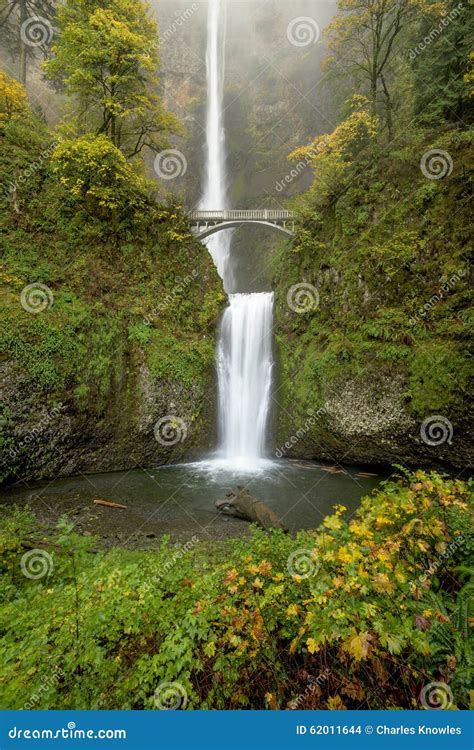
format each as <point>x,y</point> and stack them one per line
<point>265,568</point>
<point>312,645</point>
<point>335,703</point>
<point>358,646</point>
<point>230,576</point>
<point>332,522</point>
<point>354,690</point>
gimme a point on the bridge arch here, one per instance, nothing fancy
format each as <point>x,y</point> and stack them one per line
<point>206,223</point>
<point>213,228</point>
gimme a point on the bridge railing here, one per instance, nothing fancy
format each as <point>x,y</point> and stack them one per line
<point>264,214</point>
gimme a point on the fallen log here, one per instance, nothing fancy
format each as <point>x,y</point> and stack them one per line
<point>108,503</point>
<point>241,504</point>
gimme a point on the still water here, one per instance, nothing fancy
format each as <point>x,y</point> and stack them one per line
<point>179,500</point>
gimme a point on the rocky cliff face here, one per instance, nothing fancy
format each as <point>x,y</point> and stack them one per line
<point>147,421</point>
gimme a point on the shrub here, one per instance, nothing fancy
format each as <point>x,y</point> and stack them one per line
<point>360,613</point>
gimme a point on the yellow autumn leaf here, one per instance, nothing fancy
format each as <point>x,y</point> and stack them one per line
<point>358,646</point>
<point>312,645</point>
<point>344,556</point>
<point>332,522</point>
<point>383,584</point>
<point>335,703</point>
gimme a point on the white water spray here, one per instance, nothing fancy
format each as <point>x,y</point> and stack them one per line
<point>245,375</point>
<point>244,355</point>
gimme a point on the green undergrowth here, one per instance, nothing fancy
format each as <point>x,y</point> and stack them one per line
<point>364,612</point>
<point>389,255</point>
<point>125,283</point>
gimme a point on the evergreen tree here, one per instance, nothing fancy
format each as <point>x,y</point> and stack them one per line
<point>26,26</point>
<point>441,66</point>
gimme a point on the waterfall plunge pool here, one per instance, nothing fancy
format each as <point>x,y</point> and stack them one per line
<point>179,499</point>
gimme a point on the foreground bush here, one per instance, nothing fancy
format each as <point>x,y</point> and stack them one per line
<point>367,612</point>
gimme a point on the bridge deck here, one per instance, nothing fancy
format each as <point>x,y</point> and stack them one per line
<point>264,214</point>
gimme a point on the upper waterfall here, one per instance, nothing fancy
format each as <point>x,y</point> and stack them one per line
<point>215,188</point>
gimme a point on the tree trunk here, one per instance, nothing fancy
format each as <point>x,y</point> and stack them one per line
<point>388,109</point>
<point>22,61</point>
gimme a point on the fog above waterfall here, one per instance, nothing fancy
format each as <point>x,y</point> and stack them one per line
<point>274,96</point>
<point>275,99</point>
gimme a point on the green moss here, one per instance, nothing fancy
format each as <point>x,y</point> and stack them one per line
<point>106,279</point>
<point>173,359</point>
<point>377,255</point>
